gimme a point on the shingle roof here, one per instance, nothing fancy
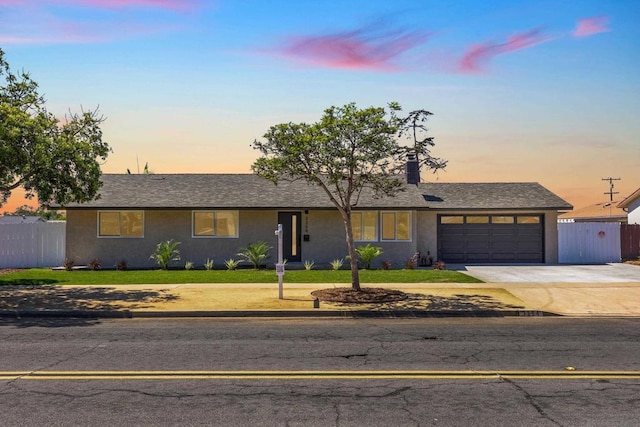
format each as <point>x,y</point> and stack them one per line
<point>628,200</point>
<point>239,191</point>
<point>493,195</point>
<point>598,211</point>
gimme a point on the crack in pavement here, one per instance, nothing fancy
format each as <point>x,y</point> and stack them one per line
<point>530,399</point>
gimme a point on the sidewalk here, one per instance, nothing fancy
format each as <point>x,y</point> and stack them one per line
<point>256,300</point>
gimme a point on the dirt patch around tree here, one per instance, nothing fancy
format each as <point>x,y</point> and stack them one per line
<point>364,296</point>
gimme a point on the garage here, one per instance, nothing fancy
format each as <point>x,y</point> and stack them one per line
<point>495,238</point>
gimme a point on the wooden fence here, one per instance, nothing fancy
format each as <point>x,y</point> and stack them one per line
<point>630,241</point>
<point>32,245</point>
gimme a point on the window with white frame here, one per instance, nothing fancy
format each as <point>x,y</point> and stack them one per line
<point>121,224</point>
<point>215,223</point>
<point>365,226</point>
<point>396,225</point>
<point>371,226</point>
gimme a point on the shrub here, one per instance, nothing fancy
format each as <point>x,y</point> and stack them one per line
<point>188,265</point>
<point>336,264</point>
<point>208,265</point>
<point>308,265</point>
<point>121,265</point>
<point>255,253</point>
<point>367,253</point>
<point>165,253</point>
<point>386,265</point>
<point>95,264</point>
<point>410,264</point>
<point>438,265</point>
<point>68,264</point>
<point>231,264</point>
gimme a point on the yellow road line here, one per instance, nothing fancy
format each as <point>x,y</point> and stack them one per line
<point>326,375</point>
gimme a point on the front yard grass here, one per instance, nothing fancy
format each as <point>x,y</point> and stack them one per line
<point>132,277</point>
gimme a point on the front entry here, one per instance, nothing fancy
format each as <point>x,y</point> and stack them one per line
<point>291,231</point>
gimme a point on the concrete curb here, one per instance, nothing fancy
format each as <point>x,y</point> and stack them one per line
<point>127,314</point>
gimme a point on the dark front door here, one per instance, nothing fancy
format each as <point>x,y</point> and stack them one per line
<point>291,224</point>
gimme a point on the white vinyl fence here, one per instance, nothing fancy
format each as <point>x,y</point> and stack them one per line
<point>589,242</point>
<point>32,245</point>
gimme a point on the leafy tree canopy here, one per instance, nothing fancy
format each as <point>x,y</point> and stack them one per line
<point>57,160</point>
<point>26,210</point>
<point>348,150</point>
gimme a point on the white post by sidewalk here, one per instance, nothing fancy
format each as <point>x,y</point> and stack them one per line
<point>280,264</point>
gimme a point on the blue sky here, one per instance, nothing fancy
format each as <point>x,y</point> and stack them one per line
<point>542,91</point>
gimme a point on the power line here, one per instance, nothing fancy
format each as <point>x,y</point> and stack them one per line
<point>611,192</point>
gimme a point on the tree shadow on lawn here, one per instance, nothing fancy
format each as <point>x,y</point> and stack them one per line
<point>87,302</point>
<point>456,302</point>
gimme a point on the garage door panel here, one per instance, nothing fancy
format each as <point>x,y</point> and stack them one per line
<point>491,242</point>
<point>529,257</point>
<point>478,245</point>
<point>503,245</point>
<point>503,256</point>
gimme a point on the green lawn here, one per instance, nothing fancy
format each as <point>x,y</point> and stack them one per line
<point>112,277</point>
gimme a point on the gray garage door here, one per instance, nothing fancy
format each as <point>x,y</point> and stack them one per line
<point>490,238</point>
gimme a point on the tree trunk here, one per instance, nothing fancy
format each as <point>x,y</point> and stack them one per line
<point>353,257</point>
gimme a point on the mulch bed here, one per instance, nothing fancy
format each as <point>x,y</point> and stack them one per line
<point>8,270</point>
<point>365,296</point>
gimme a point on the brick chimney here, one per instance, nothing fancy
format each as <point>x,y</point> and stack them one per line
<point>412,169</point>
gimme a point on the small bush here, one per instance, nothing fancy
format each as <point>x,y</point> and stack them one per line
<point>255,253</point>
<point>95,264</point>
<point>121,265</point>
<point>165,253</point>
<point>68,264</point>
<point>410,264</point>
<point>367,253</point>
<point>386,265</point>
<point>438,265</point>
<point>336,264</point>
<point>231,264</point>
<point>188,265</point>
<point>308,265</point>
<point>208,265</point>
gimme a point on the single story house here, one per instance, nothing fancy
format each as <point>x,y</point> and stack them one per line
<point>631,206</point>
<point>214,215</point>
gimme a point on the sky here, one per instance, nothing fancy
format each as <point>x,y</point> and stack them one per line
<point>530,91</point>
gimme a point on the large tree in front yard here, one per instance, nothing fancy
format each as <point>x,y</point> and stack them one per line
<point>57,160</point>
<point>348,150</point>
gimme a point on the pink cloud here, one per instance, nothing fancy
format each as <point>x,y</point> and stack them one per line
<point>589,26</point>
<point>478,55</point>
<point>163,4</point>
<point>359,49</point>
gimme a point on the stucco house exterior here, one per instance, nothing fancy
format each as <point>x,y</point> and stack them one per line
<point>631,205</point>
<point>214,215</point>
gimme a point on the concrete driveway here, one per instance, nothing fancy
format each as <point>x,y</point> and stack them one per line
<point>607,273</point>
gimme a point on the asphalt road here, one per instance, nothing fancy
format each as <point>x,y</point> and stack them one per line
<point>342,372</point>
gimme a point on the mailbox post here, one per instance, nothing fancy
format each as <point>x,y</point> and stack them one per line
<point>280,264</point>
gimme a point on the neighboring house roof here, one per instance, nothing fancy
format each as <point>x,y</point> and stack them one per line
<point>626,202</point>
<point>605,211</point>
<point>240,191</point>
<point>20,219</point>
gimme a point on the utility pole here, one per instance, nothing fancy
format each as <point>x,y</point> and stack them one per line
<point>611,192</point>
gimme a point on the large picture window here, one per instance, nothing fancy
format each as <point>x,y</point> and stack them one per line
<point>121,224</point>
<point>215,224</point>
<point>396,225</point>
<point>365,226</point>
